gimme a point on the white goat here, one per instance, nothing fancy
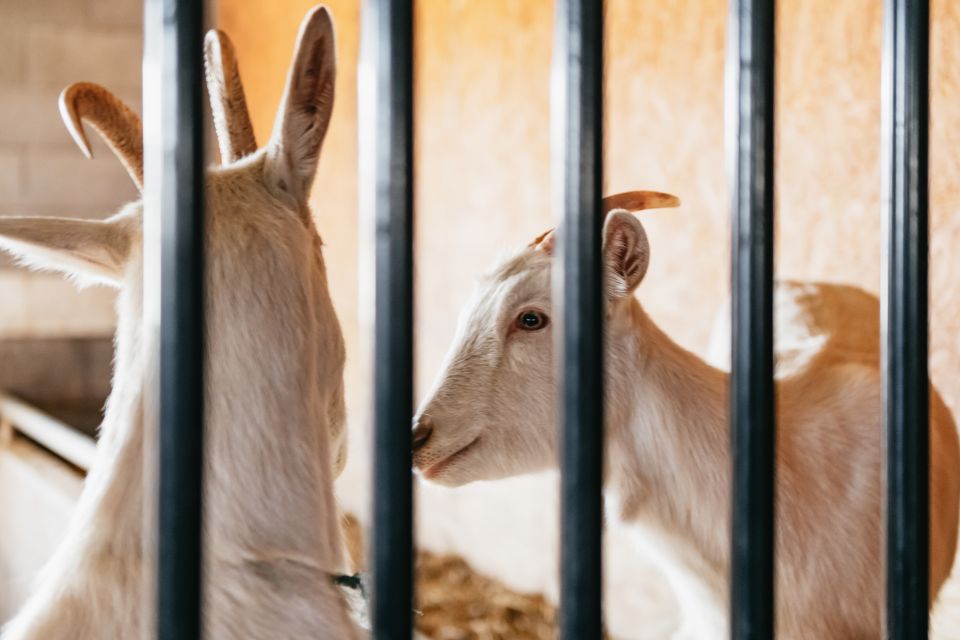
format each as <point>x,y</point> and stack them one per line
<point>275,355</point>
<point>492,414</point>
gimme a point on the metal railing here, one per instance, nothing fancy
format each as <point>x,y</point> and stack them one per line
<point>579,48</point>
<point>392,539</point>
<point>750,77</point>
<point>904,318</point>
<point>175,162</point>
<point>578,287</point>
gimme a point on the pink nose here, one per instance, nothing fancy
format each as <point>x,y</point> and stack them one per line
<point>421,432</point>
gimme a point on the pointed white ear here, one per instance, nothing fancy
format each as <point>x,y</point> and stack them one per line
<point>307,104</point>
<point>90,251</point>
<point>626,253</point>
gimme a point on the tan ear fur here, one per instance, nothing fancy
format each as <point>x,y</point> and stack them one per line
<point>228,102</point>
<point>626,253</point>
<point>86,250</point>
<point>307,105</point>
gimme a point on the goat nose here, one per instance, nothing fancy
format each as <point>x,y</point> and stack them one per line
<point>421,432</point>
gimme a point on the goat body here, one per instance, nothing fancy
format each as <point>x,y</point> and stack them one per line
<point>274,379</point>
<point>492,414</point>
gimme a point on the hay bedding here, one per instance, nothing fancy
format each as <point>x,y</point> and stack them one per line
<point>454,602</point>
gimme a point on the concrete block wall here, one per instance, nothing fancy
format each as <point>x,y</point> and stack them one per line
<point>68,377</point>
<point>44,46</point>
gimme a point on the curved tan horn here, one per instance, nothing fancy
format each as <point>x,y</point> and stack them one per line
<point>630,200</point>
<point>640,200</point>
<point>119,126</point>
<point>231,120</point>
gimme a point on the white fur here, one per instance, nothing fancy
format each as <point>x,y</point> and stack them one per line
<point>668,466</point>
<point>274,414</point>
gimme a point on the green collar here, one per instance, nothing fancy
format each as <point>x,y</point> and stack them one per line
<point>354,590</point>
<point>355,582</point>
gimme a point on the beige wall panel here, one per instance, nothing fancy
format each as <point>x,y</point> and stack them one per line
<point>38,485</point>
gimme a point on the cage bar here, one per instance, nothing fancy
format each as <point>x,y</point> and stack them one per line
<point>579,158</point>
<point>181,208</point>
<point>904,318</point>
<point>392,551</point>
<point>750,73</point>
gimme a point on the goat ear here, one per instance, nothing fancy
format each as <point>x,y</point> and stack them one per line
<point>228,103</point>
<point>626,253</point>
<point>306,107</point>
<point>546,242</point>
<point>89,251</point>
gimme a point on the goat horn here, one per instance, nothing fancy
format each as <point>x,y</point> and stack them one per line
<point>640,200</point>
<point>632,201</point>
<point>231,120</point>
<point>119,126</point>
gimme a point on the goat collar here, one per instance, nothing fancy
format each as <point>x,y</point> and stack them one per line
<point>355,582</point>
<point>354,590</point>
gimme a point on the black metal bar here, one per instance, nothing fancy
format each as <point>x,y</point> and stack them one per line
<point>579,52</point>
<point>181,334</point>
<point>392,568</point>
<point>750,68</point>
<point>905,375</point>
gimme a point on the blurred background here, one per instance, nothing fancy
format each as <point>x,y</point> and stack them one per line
<point>488,567</point>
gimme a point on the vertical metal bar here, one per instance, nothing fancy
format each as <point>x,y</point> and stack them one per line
<point>750,69</point>
<point>181,202</point>
<point>905,375</point>
<point>579,144</point>
<point>392,565</point>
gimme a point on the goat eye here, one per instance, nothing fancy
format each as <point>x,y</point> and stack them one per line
<point>532,321</point>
